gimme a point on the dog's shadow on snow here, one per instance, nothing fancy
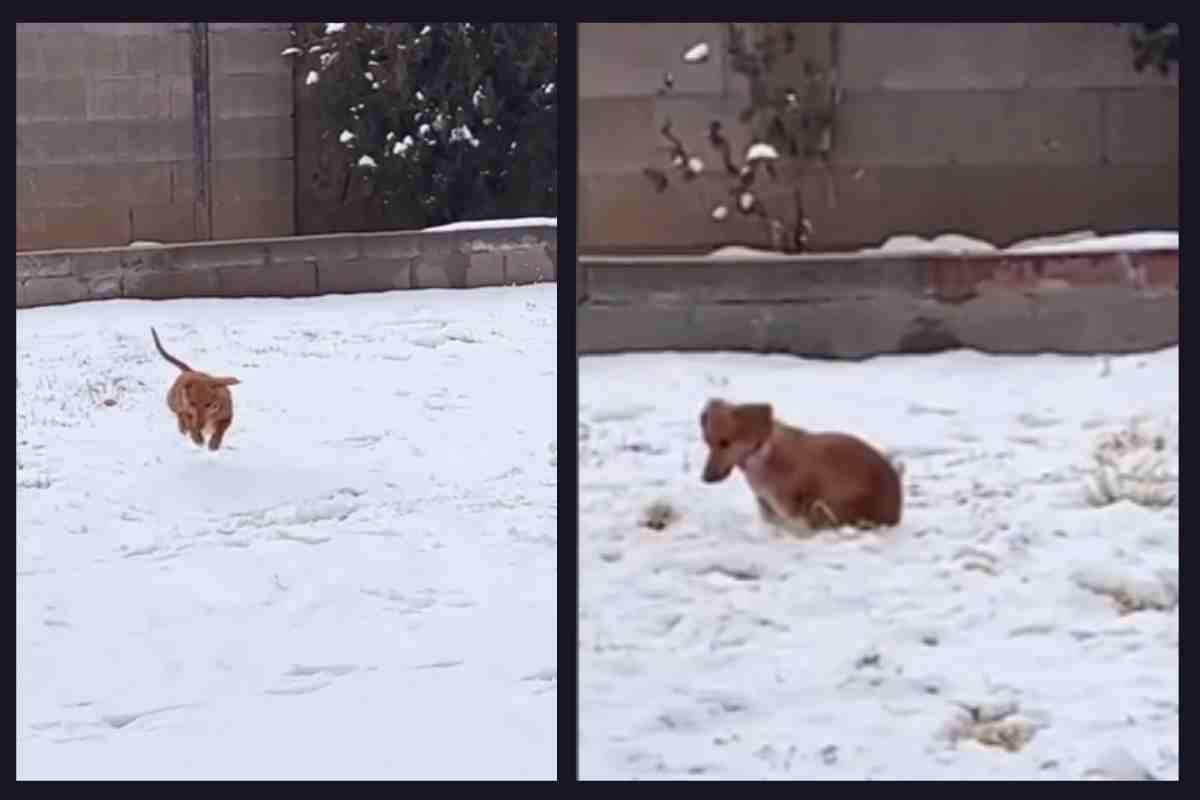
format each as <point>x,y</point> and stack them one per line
<point>229,481</point>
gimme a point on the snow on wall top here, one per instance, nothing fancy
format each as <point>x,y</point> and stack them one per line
<point>1072,242</point>
<point>518,222</point>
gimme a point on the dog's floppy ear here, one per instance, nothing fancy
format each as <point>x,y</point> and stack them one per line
<point>757,417</point>
<point>225,381</point>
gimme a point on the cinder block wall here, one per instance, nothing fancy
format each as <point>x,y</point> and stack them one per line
<point>1001,131</point>
<point>252,130</point>
<point>106,133</point>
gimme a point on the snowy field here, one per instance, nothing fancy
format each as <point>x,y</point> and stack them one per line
<point>361,583</point>
<point>1022,621</point>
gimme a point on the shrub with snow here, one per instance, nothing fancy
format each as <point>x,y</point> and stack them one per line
<point>779,125</point>
<point>440,122</point>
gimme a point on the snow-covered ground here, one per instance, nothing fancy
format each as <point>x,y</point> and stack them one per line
<point>1028,600</point>
<point>361,583</point>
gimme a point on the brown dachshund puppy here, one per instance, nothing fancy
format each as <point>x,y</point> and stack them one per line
<point>802,480</point>
<point>201,402</point>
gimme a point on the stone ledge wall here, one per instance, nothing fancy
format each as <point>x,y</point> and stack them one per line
<point>857,306</point>
<point>292,267</point>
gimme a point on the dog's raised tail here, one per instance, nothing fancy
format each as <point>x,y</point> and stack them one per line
<point>167,355</point>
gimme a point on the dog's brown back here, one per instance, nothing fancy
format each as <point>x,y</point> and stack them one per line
<point>855,481</point>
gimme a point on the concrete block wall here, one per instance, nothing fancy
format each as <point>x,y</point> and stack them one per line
<point>292,266</point>
<point>999,130</point>
<point>103,133</point>
<point>857,306</point>
<point>106,133</point>
<point>253,140</point>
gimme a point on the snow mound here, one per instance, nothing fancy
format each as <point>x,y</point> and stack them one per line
<point>1070,243</point>
<point>1139,463</point>
<point>733,252</point>
<point>1154,591</point>
<point>945,243</point>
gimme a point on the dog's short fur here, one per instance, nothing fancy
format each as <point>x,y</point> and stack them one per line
<point>801,479</point>
<point>202,403</point>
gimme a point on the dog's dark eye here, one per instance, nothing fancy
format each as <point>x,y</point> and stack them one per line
<point>723,443</point>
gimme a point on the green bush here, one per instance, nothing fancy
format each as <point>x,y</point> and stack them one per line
<point>1154,44</point>
<point>439,122</point>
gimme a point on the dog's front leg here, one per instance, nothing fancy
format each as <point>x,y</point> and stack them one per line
<point>791,506</point>
<point>219,428</point>
<point>767,511</point>
<point>196,429</point>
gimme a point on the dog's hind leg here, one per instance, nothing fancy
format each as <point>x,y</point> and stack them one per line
<point>830,519</point>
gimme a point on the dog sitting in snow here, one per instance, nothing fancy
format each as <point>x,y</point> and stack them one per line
<point>803,480</point>
<point>202,403</point>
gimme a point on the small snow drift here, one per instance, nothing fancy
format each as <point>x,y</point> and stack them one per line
<point>945,243</point>
<point>1131,592</point>
<point>761,151</point>
<point>990,724</point>
<point>1138,463</point>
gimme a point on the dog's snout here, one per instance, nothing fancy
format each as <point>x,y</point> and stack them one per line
<point>713,472</point>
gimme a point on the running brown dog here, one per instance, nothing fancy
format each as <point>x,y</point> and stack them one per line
<point>201,402</point>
